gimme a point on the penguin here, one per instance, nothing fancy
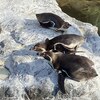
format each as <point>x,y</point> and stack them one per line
<point>52,21</point>
<point>74,67</point>
<point>67,42</point>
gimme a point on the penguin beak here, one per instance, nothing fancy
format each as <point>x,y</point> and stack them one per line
<point>69,25</point>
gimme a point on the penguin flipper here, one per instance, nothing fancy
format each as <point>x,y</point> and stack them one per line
<point>61,79</point>
<point>68,76</point>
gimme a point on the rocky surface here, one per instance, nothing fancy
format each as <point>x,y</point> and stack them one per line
<point>31,76</point>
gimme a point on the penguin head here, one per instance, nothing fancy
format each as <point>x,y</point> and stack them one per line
<point>85,74</point>
<point>51,56</point>
<point>41,46</point>
<point>66,25</point>
<point>92,73</point>
<point>89,72</point>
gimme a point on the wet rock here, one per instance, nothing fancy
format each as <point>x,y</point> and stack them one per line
<point>0,30</point>
<point>37,94</point>
<point>9,93</point>
<point>2,44</point>
<point>2,93</point>
<point>33,94</point>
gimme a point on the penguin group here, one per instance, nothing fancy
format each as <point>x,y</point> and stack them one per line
<point>61,51</point>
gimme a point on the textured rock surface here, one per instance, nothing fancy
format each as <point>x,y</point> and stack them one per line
<point>29,72</point>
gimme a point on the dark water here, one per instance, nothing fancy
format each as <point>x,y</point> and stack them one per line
<point>84,10</point>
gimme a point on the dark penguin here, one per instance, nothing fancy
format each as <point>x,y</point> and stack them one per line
<point>74,67</point>
<point>50,20</point>
<point>67,42</point>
